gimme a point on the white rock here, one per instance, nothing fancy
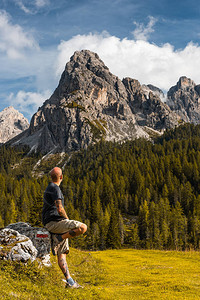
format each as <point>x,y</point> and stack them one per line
<point>16,247</point>
<point>39,236</point>
<point>12,123</point>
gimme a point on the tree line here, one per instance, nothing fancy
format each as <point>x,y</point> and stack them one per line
<point>139,194</point>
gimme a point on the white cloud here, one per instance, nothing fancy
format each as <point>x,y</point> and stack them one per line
<point>31,7</point>
<point>41,3</point>
<point>13,39</point>
<point>27,102</point>
<point>23,7</point>
<point>141,32</point>
<point>150,64</point>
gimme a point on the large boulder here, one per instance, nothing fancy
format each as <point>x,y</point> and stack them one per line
<point>16,247</point>
<point>40,238</point>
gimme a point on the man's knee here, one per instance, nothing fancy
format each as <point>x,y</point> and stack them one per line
<point>61,256</point>
<point>83,228</point>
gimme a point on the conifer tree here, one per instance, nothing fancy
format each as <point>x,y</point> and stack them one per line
<point>178,227</point>
<point>195,232</point>
<point>11,211</point>
<point>165,217</point>
<point>143,221</point>
<point>95,206</point>
<point>154,228</point>
<point>134,239</point>
<point>95,236</point>
<point>113,235</point>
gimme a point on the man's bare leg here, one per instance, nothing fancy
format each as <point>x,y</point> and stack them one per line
<point>64,268</point>
<point>63,265</point>
<point>74,232</point>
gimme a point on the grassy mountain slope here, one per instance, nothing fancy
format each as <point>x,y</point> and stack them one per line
<point>111,274</point>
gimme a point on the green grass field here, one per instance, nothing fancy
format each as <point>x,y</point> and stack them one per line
<point>110,274</point>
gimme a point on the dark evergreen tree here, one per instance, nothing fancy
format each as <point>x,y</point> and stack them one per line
<point>113,239</point>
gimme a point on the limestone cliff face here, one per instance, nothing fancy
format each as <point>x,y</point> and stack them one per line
<point>12,123</point>
<point>184,99</point>
<point>90,103</point>
<point>147,106</point>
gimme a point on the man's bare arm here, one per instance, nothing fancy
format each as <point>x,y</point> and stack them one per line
<point>61,209</point>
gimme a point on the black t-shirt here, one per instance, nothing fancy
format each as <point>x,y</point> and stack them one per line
<point>49,210</point>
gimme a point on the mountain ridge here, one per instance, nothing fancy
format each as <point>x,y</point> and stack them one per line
<point>90,104</point>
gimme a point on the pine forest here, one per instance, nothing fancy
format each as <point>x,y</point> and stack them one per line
<point>137,194</point>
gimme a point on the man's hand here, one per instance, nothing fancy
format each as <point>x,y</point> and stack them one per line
<point>61,209</point>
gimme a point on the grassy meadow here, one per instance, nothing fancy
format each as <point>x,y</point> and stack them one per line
<point>111,274</point>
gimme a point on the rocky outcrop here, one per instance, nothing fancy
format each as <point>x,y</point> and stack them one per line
<point>91,104</point>
<point>40,238</point>
<point>16,247</point>
<point>12,123</point>
<point>22,242</point>
<point>184,100</point>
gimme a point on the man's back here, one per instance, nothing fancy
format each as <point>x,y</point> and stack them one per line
<point>49,210</point>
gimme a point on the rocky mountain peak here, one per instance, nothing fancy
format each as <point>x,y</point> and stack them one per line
<point>84,67</point>
<point>87,58</point>
<point>184,99</point>
<point>90,104</point>
<point>132,85</point>
<point>12,123</point>
<point>185,83</point>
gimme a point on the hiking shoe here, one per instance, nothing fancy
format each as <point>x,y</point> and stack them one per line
<point>74,286</point>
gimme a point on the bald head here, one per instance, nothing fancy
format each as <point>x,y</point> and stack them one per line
<point>56,174</point>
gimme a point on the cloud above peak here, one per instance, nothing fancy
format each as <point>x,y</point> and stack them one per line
<point>13,39</point>
<point>143,32</point>
<point>161,66</point>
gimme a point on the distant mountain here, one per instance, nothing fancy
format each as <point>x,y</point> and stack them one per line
<point>184,99</point>
<point>12,123</point>
<point>90,104</point>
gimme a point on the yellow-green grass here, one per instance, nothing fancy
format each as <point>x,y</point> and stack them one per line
<point>150,274</point>
<point>111,274</point>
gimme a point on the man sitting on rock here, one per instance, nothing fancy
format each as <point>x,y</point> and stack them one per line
<point>58,224</point>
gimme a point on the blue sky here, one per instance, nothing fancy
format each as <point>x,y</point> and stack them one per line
<point>153,41</point>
